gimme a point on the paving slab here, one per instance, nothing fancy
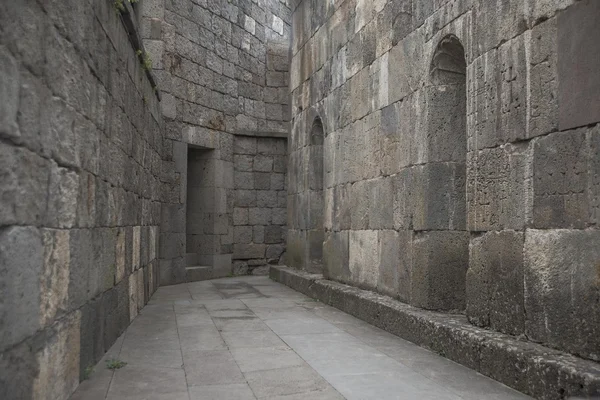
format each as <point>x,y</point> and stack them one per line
<point>230,341</point>
<point>235,391</point>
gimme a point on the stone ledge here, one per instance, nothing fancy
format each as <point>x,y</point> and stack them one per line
<point>533,369</point>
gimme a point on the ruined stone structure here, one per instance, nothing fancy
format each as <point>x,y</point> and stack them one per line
<point>443,153</point>
<point>460,158</point>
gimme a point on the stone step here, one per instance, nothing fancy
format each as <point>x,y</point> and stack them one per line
<point>199,273</point>
<point>529,367</point>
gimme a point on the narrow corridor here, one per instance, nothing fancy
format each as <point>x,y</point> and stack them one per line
<point>252,338</point>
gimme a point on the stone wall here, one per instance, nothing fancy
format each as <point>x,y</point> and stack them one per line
<point>222,70</point>
<point>80,160</point>
<point>460,158</point>
<point>259,214</point>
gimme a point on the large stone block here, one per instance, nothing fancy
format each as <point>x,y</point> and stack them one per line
<point>59,360</point>
<point>171,272</point>
<point>381,216</point>
<point>543,78</point>
<point>336,256</point>
<point>579,88</point>
<point>438,196</point>
<point>560,184</point>
<point>562,296</point>
<point>446,134</point>
<point>84,278</point>
<point>495,286</point>
<point>364,258</point>
<point>297,249</point>
<point>23,193</point>
<point>63,191</point>
<point>21,267</point>
<point>395,263</point>
<point>499,188</point>
<point>54,280</point>
<point>243,251</point>
<point>402,202</point>
<point>439,267</point>
<point>9,94</point>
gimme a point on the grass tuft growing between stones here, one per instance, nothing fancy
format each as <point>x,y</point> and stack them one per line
<point>115,364</point>
<point>87,372</point>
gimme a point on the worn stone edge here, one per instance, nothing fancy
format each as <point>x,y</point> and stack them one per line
<point>528,367</point>
<point>132,32</point>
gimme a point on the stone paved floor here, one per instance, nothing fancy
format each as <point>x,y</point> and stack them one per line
<point>251,338</point>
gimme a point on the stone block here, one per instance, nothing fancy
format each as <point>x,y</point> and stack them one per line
<point>364,258</point>
<point>9,94</point>
<point>579,88</point>
<point>58,362</point>
<point>245,198</point>
<point>24,188</point>
<point>297,249</point>
<point>439,268</point>
<point>136,248</point>
<point>494,286</point>
<point>359,204</point>
<point>382,195</point>
<point>259,216</point>
<point>562,301</point>
<point>278,182</point>
<point>258,234</point>
<point>22,267</point>
<point>240,216</point>
<point>120,255</point>
<point>243,162</point>
<point>594,175</point>
<point>171,271</point>
<point>543,78</point>
<point>402,199</point>
<point>172,245</point>
<point>263,163</point>
<point>270,146</point>
<point>54,280</point>
<point>438,196</point>
<point>63,191</point>
<point>84,279</point>
<point>242,234</point>
<point>446,130</point>
<point>266,198</point>
<point>244,145</point>
<point>248,251</point>
<point>279,216</point>
<point>560,184</point>
<point>395,263</point>
<point>274,234</point>
<point>274,252</point>
<point>336,253</point>
<point>262,180</point>
<point>499,188</point>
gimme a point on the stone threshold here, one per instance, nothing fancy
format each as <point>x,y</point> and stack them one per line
<point>533,369</point>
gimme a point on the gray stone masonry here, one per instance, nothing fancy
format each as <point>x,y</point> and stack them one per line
<point>80,190</point>
<point>249,338</point>
<point>460,159</point>
<point>525,366</point>
<point>222,70</point>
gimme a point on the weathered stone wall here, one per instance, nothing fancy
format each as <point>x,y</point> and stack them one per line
<point>460,158</point>
<point>259,214</point>
<point>222,69</point>
<point>80,151</point>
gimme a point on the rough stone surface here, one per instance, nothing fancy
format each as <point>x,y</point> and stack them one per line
<point>80,154</point>
<point>528,367</point>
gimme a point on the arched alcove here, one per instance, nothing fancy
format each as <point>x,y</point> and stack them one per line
<point>441,242</point>
<point>315,196</point>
